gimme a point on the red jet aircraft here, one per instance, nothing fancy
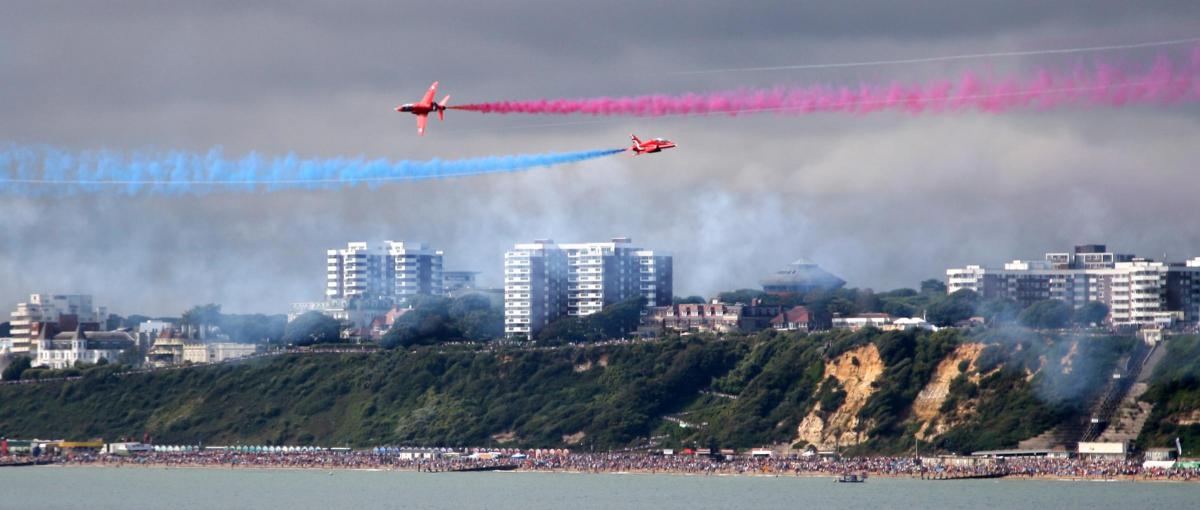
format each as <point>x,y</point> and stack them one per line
<point>653,145</point>
<point>422,109</point>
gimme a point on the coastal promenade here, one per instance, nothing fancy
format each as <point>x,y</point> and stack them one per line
<point>644,463</point>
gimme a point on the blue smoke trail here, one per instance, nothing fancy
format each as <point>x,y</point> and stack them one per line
<point>46,170</point>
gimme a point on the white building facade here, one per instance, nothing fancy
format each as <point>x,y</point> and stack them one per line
<point>65,349</point>
<point>1137,291</point>
<point>544,281</point>
<point>535,287</point>
<point>393,270</point>
<point>49,308</point>
<point>216,352</point>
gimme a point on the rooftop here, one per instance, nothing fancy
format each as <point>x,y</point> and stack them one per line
<point>801,275</point>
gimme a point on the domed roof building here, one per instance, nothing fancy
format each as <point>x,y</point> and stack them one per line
<point>801,277</point>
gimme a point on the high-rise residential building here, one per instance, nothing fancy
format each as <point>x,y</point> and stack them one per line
<point>354,271</point>
<point>50,308</point>
<point>544,281</point>
<point>535,287</point>
<point>391,270</point>
<point>1137,291</point>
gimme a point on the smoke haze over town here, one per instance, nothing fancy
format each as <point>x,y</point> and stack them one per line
<point>883,201</point>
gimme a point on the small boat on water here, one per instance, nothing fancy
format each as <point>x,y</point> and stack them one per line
<point>851,478</point>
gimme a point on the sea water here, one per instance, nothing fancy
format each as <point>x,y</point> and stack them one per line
<point>106,488</point>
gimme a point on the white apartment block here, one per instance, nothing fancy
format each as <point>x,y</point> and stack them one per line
<point>535,287</point>
<point>544,281</point>
<point>391,270</point>
<point>1137,291</point>
<point>49,308</point>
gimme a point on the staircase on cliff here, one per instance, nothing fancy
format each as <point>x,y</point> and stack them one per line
<point>1117,402</point>
<point>1130,417</point>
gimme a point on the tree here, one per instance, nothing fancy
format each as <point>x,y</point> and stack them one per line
<point>312,328</point>
<point>866,300</point>
<point>1046,314</point>
<point>1093,312</point>
<point>841,306</point>
<point>482,325</point>
<point>953,308</point>
<point>432,320</point>
<point>898,309</point>
<point>253,328</point>
<point>741,296</point>
<point>464,305</point>
<point>999,310</point>
<point>202,315</point>
<point>428,322</point>
<point>689,300</point>
<point>19,366</point>
<point>903,302</point>
<point>933,286</point>
<point>614,321</point>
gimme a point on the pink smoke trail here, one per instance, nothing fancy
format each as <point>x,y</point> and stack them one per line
<point>1164,81</point>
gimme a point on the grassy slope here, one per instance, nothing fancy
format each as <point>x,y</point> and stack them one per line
<point>1175,392</point>
<point>464,397</point>
<point>426,397</point>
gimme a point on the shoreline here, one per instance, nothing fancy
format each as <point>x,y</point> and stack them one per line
<point>639,472</point>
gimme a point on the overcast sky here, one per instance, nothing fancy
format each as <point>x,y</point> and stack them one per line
<point>883,200</point>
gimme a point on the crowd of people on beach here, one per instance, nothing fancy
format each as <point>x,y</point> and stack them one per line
<point>292,460</point>
<point>880,466</point>
<point>561,461</point>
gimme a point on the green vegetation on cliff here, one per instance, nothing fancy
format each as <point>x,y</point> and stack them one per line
<point>426,397</point>
<point>1175,393</point>
<point>730,392</point>
<point>781,380</point>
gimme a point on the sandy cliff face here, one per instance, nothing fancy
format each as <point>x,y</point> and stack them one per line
<point>1185,418</point>
<point>855,371</point>
<point>929,401</point>
<point>1068,360</point>
<point>587,365</point>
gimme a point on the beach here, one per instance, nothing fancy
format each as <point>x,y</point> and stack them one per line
<point>640,463</point>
